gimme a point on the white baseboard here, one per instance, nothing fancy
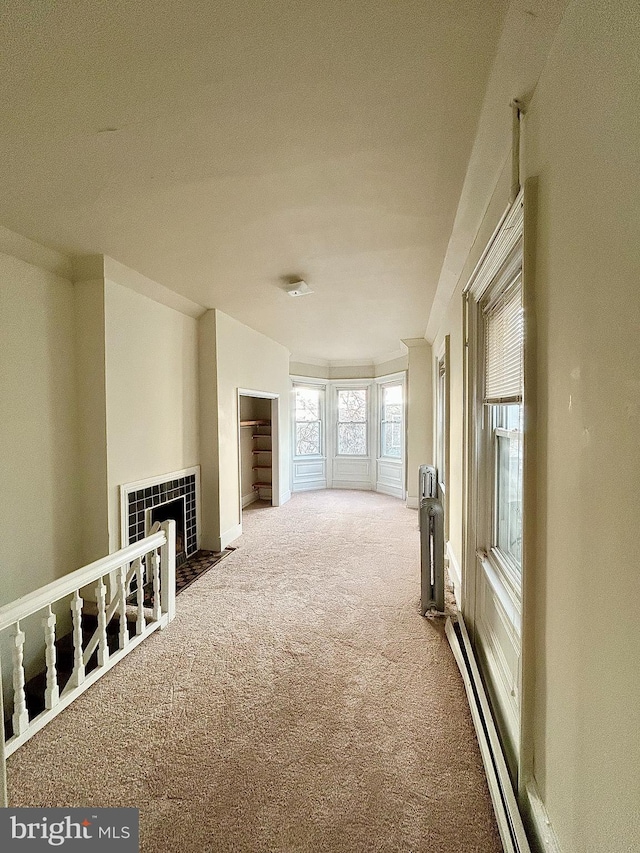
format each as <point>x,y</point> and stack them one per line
<point>413,503</point>
<point>505,806</point>
<point>540,824</point>
<point>364,485</point>
<point>455,573</point>
<point>312,486</point>
<point>285,496</point>
<point>229,535</point>
<point>394,491</point>
<point>249,499</point>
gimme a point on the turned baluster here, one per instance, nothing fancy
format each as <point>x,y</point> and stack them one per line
<point>77,676</point>
<point>155,573</point>
<point>103,646</point>
<point>52,690</point>
<point>20,713</point>
<point>140,621</point>
<point>122,606</point>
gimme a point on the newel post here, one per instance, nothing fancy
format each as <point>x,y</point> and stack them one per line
<point>3,759</point>
<point>168,570</point>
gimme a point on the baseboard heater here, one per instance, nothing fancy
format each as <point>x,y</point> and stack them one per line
<point>512,834</point>
<point>431,542</point>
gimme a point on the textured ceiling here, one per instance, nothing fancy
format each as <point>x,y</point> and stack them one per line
<point>218,147</point>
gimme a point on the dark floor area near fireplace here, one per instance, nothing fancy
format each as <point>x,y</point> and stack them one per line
<point>197,565</point>
<point>186,574</point>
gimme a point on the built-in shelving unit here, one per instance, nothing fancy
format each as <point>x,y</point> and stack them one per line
<point>261,452</point>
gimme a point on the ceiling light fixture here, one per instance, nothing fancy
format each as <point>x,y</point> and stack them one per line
<point>298,288</point>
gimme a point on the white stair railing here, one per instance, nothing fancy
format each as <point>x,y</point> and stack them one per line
<point>151,561</point>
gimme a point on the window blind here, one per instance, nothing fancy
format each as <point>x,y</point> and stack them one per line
<point>504,330</point>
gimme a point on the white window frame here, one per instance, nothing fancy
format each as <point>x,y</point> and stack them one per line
<point>333,470</point>
<point>321,389</point>
<point>357,386</point>
<point>500,264</point>
<point>393,381</point>
<point>509,573</point>
<point>491,601</point>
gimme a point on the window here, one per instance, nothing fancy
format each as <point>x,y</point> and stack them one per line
<point>308,421</point>
<point>352,421</point>
<point>391,421</point>
<point>507,532</point>
<point>502,397</point>
<point>495,425</point>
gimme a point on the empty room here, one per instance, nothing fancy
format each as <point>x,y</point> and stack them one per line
<point>320,377</point>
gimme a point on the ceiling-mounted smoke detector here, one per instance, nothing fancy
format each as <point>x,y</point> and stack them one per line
<point>298,288</point>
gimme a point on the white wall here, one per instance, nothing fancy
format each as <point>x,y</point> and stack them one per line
<point>247,359</point>
<point>240,358</point>
<point>151,392</point>
<point>452,325</point>
<point>39,534</point>
<point>355,371</point>
<point>582,138</point>
<point>419,414</point>
<point>92,418</point>
<point>209,470</point>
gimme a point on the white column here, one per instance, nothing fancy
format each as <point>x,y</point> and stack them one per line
<point>168,570</point>
<point>419,414</point>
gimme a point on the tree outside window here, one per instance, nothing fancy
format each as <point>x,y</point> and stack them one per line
<point>391,421</point>
<point>352,422</point>
<point>308,433</point>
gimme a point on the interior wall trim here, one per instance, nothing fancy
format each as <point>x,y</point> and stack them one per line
<point>455,574</point>
<point>540,822</point>
<point>229,535</point>
<point>509,820</point>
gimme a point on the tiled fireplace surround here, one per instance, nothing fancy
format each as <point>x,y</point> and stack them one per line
<point>136,498</point>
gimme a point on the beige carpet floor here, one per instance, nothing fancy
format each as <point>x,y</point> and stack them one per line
<point>298,703</point>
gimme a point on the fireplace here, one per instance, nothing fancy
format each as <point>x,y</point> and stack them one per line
<point>175,510</point>
<point>158,499</point>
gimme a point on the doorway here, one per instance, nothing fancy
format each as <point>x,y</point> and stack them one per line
<point>258,448</point>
